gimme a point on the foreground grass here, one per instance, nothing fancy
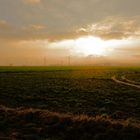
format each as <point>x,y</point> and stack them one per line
<point>35,124</point>
<point>88,103</point>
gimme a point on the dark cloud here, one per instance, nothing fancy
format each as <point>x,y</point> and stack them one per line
<point>109,28</point>
<point>64,16</point>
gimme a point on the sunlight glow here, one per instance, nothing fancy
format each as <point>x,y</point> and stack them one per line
<point>90,45</point>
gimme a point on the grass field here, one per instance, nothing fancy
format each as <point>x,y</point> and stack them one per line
<point>71,103</point>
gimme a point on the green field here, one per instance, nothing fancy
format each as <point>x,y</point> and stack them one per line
<point>63,102</point>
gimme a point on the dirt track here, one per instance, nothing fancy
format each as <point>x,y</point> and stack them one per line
<point>130,81</point>
<point>125,83</point>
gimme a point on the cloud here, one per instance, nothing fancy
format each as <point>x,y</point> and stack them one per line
<point>34,27</point>
<point>109,28</point>
<point>135,49</point>
<point>32,1</point>
<point>64,17</point>
<point>29,32</point>
<point>4,25</point>
<point>114,27</point>
<point>37,27</point>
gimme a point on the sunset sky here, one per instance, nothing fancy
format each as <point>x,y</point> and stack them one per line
<point>50,32</point>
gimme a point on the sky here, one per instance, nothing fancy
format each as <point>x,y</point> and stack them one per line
<point>77,32</point>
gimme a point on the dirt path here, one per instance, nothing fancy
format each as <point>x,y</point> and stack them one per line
<point>124,83</point>
<point>130,81</point>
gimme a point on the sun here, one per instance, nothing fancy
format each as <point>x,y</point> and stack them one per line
<point>90,46</point>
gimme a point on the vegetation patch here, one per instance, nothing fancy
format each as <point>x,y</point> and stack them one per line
<point>35,124</point>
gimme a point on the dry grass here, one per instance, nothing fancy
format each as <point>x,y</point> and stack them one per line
<point>36,124</point>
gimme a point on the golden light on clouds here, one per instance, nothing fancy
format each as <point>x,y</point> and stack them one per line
<point>90,45</point>
<point>114,27</point>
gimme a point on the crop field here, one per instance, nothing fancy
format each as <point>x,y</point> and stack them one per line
<point>70,103</point>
